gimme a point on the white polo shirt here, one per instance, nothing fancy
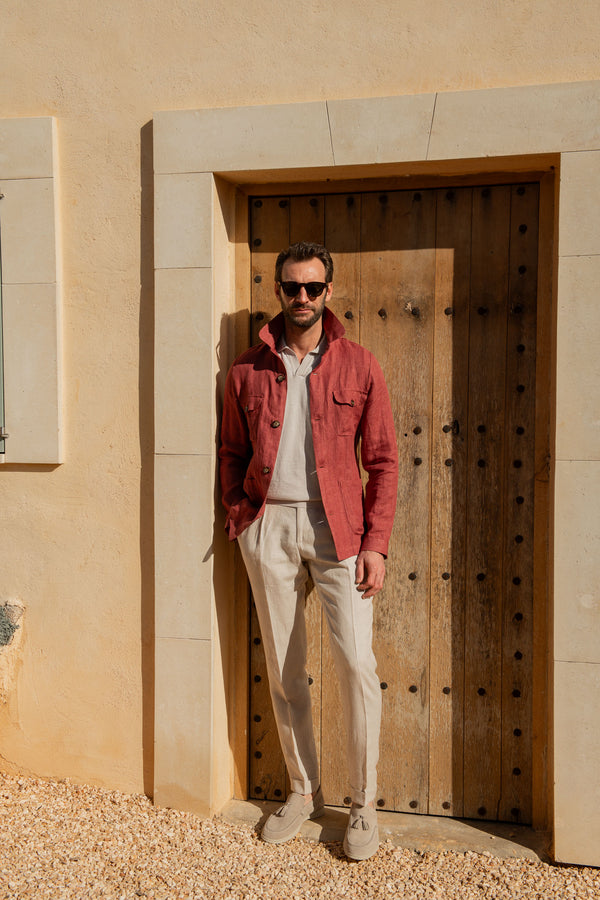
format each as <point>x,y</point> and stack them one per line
<point>295,473</point>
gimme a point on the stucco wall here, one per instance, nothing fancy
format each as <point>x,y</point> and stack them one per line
<point>76,540</point>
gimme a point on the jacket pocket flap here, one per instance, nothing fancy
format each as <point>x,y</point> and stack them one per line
<point>349,397</point>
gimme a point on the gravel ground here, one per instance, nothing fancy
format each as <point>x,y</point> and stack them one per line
<point>58,839</point>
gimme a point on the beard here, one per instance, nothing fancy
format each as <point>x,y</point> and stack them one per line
<point>304,320</point>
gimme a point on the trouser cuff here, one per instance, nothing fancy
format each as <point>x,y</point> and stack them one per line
<point>305,787</point>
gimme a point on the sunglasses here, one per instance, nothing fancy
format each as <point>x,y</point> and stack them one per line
<point>313,289</point>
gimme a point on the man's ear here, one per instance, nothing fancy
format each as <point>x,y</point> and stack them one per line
<point>277,290</point>
<point>329,292</point>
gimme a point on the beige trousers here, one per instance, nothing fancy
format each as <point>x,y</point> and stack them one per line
<point>279,551</point>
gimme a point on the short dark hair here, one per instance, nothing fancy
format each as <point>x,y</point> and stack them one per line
<point>302,251</point>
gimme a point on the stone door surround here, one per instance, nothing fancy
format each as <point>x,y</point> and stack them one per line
<point>201,157</point>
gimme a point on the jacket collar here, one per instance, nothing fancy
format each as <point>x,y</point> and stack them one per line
<point>272,331</point>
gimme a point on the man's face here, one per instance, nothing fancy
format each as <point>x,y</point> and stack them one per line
<point>300,311</point>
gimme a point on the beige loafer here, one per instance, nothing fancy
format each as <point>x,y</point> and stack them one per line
<point>286,822</point>
<point>361,840</point>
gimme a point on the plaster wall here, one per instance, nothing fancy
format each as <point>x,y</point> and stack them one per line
<point>76,543</point>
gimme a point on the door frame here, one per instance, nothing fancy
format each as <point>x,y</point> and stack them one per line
<point>545,172</point>
<point>200,157</point>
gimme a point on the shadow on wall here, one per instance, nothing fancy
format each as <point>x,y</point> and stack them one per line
<point>229,580</point>
<point>146,431</point>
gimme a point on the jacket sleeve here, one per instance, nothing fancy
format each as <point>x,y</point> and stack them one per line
<point>379,457</point>
<point>235,453</point>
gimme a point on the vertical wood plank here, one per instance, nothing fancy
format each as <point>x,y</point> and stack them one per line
<point>307,219</point>
<point>314,639</point>
<point>397,315</point>
<point>267,767</point>
<point>240,672</point>
<point>448,500</point>
<point>542,799</point>
<point>269,234</point>
<point>485,502</point>
<point>342,238</point>
<point>517,656</point>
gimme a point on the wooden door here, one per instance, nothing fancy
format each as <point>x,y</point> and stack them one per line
<point>441,285</point>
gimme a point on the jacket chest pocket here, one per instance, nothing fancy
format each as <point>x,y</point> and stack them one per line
<point>348,407</point>
<point>252,408</point>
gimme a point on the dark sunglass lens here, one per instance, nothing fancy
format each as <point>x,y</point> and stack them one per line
<point>313,289</point>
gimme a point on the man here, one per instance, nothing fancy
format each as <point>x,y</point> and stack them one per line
<point>295,407</point>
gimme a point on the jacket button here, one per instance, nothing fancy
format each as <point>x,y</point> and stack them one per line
<point>266,470</point>
<point>275,424</point>
<point>280,378</point>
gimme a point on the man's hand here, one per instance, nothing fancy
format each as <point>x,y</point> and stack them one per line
<point>370,572</point>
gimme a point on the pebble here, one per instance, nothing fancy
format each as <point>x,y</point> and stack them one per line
<point>63,840</point>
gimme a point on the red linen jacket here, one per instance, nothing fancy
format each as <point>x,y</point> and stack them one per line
<point>348,400</point>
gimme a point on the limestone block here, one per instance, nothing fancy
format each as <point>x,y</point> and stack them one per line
<point>26,147</point>
<point>579,210</point>
<point>383,129</point>
<point>183,221</point>
<point>183,731</point>
<point>28,231</point>
<point>577,763</point>
<point>578,359</point>
<point>184,385</point>
<point>550,118</point>
<point>244,137</point>
<point>32,366</point>
<point>577,562</point>
<point>184,499</point>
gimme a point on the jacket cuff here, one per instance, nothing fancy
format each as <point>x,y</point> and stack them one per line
<point>372,542</point>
